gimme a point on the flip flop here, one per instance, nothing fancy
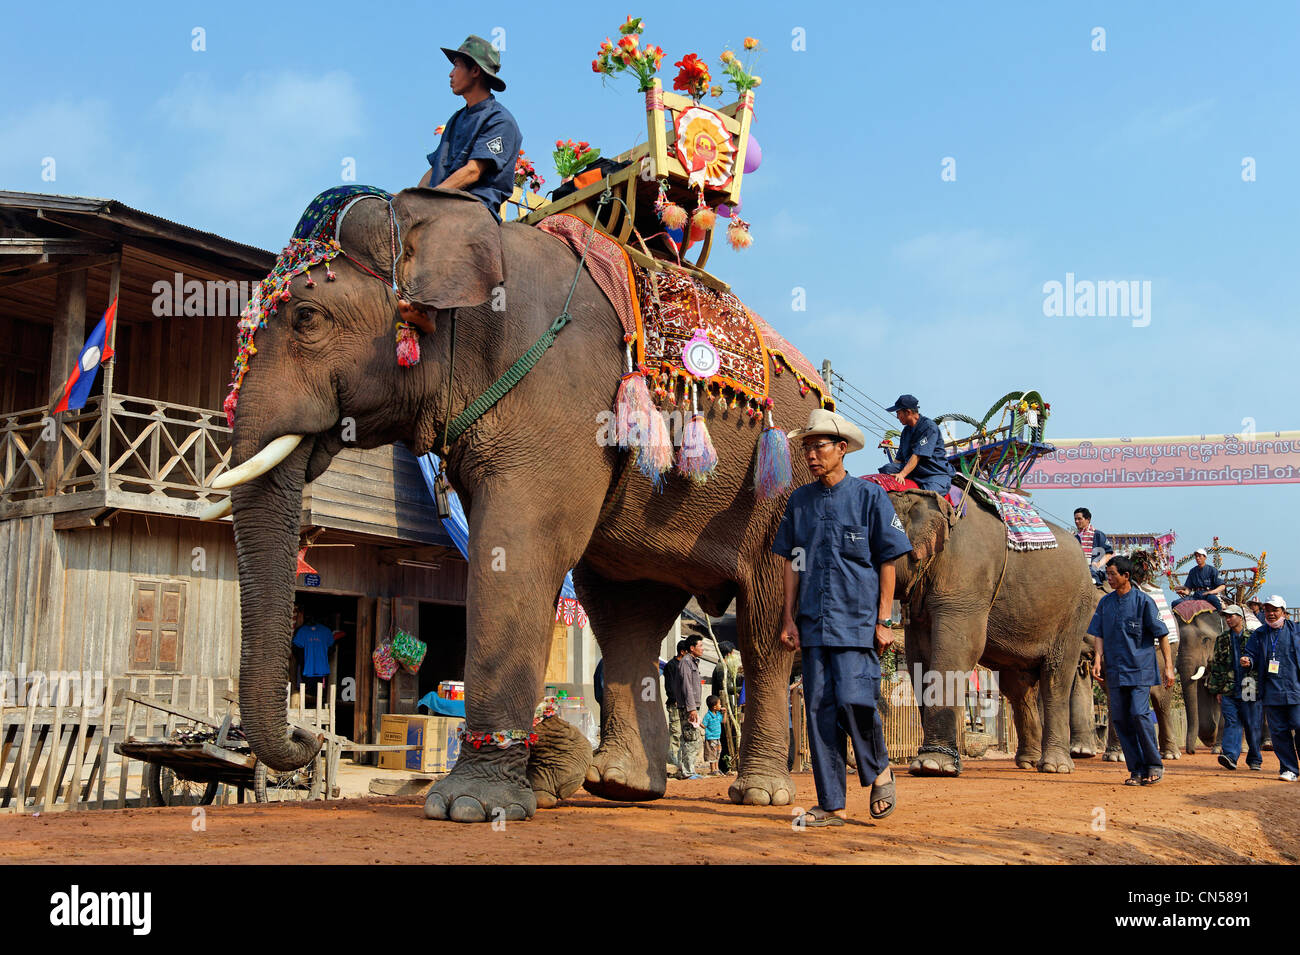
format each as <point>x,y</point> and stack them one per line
<point>1153,779</point>
<point>1134,780</point>
<point>883,792</point>
<point>817,817</point>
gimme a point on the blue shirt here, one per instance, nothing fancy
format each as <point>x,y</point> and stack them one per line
<point>1283,644</point>
<point>315,641</point>
<point>712,725</point>
<point>933,472</point>
<point>484,131</point>
<point>1128,625</point>
<point>843,533</point>
<point>1201,579</point>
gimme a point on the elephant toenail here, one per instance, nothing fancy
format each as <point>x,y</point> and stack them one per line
<point>758,797</point>
<point>467,809</point>
<point>435,807</point>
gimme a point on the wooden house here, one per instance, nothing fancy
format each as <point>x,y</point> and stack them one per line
<point>104,566</point>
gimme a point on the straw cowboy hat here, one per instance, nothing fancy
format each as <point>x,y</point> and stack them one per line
<point>821,421</point>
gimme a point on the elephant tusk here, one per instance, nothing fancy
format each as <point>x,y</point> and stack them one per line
<point>258,464</point>
<point>1200,672</point>
<point>216,511</point>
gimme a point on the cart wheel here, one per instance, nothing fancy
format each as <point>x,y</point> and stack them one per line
<point>270,785</point>
<point>165,788</point>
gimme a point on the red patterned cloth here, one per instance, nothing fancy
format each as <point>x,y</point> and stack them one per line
<point>891,483</point>
<point>606,261</point>
<point>1190,609</point>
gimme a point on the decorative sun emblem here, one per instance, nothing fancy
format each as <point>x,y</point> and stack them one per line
<point>705,147</point>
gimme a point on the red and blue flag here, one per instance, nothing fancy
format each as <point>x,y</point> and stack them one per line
<point>98,350</point>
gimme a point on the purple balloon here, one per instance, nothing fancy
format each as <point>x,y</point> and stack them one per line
<point>725,210</point>
<point>753,155</point>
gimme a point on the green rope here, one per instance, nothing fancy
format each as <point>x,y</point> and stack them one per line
<point>515,373</point>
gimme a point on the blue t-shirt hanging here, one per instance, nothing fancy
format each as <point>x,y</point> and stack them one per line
<point>315,641</point>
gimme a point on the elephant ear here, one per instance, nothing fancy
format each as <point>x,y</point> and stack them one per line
<point>927,519</point>
<point>451,248</point>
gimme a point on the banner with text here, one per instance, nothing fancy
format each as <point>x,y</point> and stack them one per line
<point>1190,461</point>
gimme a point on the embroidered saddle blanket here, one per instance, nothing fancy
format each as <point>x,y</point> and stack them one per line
<point>662,310</point>
<point>1026,529</point>
<point>1189,610</point>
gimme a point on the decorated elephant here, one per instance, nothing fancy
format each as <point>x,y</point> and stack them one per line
<point>971,600</point>
<point>543,491</point>
<point>1195,646</point>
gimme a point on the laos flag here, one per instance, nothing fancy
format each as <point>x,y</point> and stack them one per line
<point>97,351</point>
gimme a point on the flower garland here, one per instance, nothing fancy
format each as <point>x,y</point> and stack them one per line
<point>549,707</point>
<point>502,739</point>
<point>297,258</point>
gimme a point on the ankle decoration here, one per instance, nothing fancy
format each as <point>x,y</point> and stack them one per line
<point>502,739</point>
<point>549,707</point>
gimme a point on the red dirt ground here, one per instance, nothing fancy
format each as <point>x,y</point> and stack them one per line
<point>993,813</point>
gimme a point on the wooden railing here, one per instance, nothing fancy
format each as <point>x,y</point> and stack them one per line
<point>141,447</point>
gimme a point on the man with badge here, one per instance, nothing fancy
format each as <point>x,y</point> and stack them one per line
<point>1273,657</point>
<point>1127,626</point>
<point>481,141</point>
<point>1237,698</point>
<point>921,455</point>
<point>839,537</point>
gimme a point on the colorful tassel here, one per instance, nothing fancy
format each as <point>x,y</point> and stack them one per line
<point>738,234</point>
<point>655,456</point>
<point>772,471</point>
<point>704,217</point>
<point>673,216</point>
<point>408,345</point>
<point>697,458</point>
<point>634,409</point>
<point>228,407</point>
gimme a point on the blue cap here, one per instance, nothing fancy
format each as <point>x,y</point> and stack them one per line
<point>905,403</point>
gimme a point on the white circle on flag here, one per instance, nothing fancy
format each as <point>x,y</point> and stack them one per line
<point>90,359</point>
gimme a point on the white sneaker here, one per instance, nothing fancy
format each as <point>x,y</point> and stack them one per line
<point>1286,776</point>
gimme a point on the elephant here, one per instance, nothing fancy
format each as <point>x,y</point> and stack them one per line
<point>1195,646</point>
<point>543,492</point>
<point>972,600</point>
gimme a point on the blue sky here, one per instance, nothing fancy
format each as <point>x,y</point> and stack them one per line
<point>1117,165</point>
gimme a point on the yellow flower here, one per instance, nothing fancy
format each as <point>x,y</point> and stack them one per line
<point>758,81</point>
<point>727,56</point>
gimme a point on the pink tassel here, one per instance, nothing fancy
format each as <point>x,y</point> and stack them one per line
<point>697,458</point>
<point>634,409</point>
<point>738,234</point>
<point>673,216</point>
<point>228,407</point>
<point>655,455</point>
<point>408,345</point>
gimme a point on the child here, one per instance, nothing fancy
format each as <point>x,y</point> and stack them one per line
<point>713,734</point>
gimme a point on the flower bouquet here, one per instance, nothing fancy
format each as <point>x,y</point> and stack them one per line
<point>526,174</point>
<point>692,76</point>
<point>571,158</point>
<point>739,75</point>
<point>629,56</point>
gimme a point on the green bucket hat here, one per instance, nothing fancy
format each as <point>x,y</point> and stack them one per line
<point>484,54</point>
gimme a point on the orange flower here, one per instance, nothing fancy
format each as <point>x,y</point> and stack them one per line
<point>595,67</point>
<point>727,56</point>
<point>750,43</point>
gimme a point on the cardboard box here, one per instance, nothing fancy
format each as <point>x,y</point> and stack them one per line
<point>435,737</point>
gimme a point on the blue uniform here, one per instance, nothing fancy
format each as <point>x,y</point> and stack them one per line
<point>933,472</point>
<point>315,641</point>
<point>1280,691</point>
<point>1127,625</point>
<point>484,131</point>
<point>1241,717</point>
<point>1199,580</point>
<point>838,537</point>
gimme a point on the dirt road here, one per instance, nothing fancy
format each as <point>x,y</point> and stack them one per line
<point>993,813</point>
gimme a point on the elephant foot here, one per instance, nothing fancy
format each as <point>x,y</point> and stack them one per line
<point>1216,749</point>
<point>1113,756</point>
<point>1171,754</point>
<point>1027,759</point>
<point>1057,762</point>
<point>935,764</point>
<point>613,773</point>
<point>760,786</point>
<point>485,785</point>
<point>557,764</point>
<point>1082,752</point>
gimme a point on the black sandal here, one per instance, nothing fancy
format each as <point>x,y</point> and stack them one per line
<point>883,792</point>
<point>1134,780</point>
<point>1153,778</point>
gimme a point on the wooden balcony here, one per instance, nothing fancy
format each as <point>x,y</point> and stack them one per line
<point>157,457</point>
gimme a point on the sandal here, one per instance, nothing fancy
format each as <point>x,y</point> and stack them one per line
<point>1153,778</point>
<point>1134,780</point>
<point>817,817</point>
<point>883,792</point>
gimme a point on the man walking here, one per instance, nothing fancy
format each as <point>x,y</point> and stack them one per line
<point>688,709</point>
<point>1127,626</point>
<point>839,537</point>
<point>1273,656</point>
<point>1241,711</point>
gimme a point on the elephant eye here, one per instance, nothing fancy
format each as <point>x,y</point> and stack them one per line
<point>305,319</point>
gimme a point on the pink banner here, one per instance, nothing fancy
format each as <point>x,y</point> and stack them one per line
<point>1189,461</point>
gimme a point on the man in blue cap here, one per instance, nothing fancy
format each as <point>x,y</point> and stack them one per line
<point>921,454</point>
<point>1273,657</point>
<point>1203,583</point>
<point>481,141</point>
<point>839,537</point>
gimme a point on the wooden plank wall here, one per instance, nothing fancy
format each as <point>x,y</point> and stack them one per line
<point>377,491</point>
<point>185,360</point>
<point>66,596</point>
<point>24,363</point>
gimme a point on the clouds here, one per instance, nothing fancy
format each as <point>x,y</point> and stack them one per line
<point>79,134</point>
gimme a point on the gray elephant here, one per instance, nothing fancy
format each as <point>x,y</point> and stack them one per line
<point>1195,646</point>
<point>972,600</point>
<point>541,491</point>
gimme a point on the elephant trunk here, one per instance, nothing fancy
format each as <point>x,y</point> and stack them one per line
<point>267,513</point>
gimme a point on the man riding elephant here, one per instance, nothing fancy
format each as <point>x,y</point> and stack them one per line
<point>1203,583</point>
<point>922,457</point>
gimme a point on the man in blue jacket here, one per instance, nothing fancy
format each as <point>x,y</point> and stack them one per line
<point>1127,626</point>
<point>922,456</point>
<point>1203,583</point>
<point>1273,657</point>
<point>839,537</point>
